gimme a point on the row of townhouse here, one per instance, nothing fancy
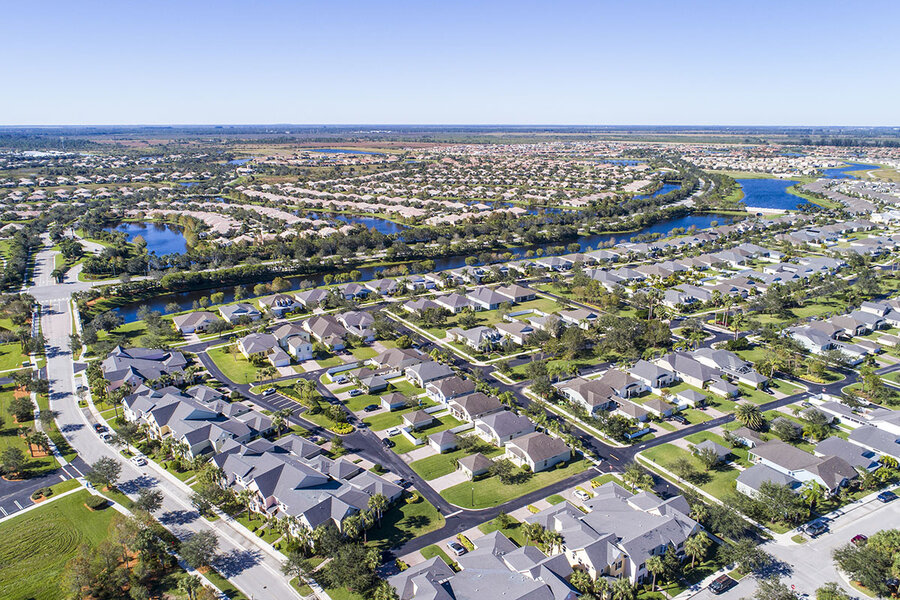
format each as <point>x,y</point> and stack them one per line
<point>135,366</point>
<point>199,417</point>
<point>291,477</point>
<point>706,368</point>
<point>873,428</point>
<point>480,298</point>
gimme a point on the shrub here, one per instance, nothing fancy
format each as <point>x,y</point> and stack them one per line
<point>413,498</point>
<point>37,495</point>
<point>467,544</point>
<point>96,502</point>
<point>534,509</point>
<point>377,468</point>
<point>401,565</point>
<point>342,428</point>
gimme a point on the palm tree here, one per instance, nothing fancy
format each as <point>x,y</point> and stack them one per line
<point>553,539</point>
<point>378,503</point>
<point>622,590</point>
<point>812,493</point>
<point>602,588</point>
<point>280,420</point>
<point>582,581</point>
<point>634,476</point>
<point>385,591</point>
<point>189,584</point>
<point>352,526</point>
<point>533,531</point>
<point>749,416</point>
<point>245,497</point>
<point>655,566</point>
<point>696,545</point>
<point>367,521</point>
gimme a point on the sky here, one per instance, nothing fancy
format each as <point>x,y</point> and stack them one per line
<point>629,62</point>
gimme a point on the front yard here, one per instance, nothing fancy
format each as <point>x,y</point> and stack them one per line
<point>489,491</point>
<point>233,364</point>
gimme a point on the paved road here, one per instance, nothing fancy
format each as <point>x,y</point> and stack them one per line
<point>253,571</point>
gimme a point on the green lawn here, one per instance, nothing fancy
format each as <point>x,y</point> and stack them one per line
<point>491,492</point>
<point>433,550</point>
<point>35,547</point>
<point>404,522</point>
<point>718,482</point>
<point>441,423</point>
<point>555,499</point>
<point>235,367</point>
<point>439,465</point>
<point>9,437</point>
<point>386,420</point>
<point>363,353</point>
<point>11,356</point>
<point>513,532</point>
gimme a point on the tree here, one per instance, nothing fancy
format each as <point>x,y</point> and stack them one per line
<point>533,531</point>
<point>200,549</point>
<point>655,566</point>
<point>749,416</point>
<point>622,589</point>
<point>504,470</point>
<point>746,555</point>
<point>385,591</point>
<point>104,472</point>
<point>378,504</point>
<point>149,500</point>
<point>684,468</point>
<point>708,457</point>
<point>831,591</point>
<point>635,477</point>
<point>350,567</point>
<point>13,460</point>
<point>696,546</point>
<point>771,588</point>
<point>189,584</point>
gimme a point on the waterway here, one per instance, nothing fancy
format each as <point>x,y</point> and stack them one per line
<point>340,151</point>
<point>185,300</point>
<point>161,239</point>
<point>770,193</point>
<point>843,172</point>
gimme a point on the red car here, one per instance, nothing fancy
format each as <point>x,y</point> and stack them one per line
<point>859,540</point>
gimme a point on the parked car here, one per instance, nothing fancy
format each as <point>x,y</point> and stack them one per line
<point>393,431</point>
<point>679,419</point>
<point>859,539</point>
<point>269,391</point>
<point>388,443</point>
<point>816,528</point>
<point>456,548</point>
<point>355,392</point>
<point>139,461</point>
<point>340,379</point>
<point>582,495</point>
<point>100,428</point>
<point>371,407</point>
<point>106,437</point>
<point>722,584</point>
<point>886,496</point>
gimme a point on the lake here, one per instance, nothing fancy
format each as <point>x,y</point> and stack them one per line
<point>185,300</point>
<point>239,161</point>
<point>161,239</point>
<point>339,151</point>
<point>188,184</point>
<point>770,193</point>
<point>665,189</point>
<point>842,172</point>
<point>384,226</point>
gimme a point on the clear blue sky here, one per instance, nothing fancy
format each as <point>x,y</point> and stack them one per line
<point>752,62</point>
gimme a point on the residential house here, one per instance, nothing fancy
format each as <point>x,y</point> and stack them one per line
<point>449,388</point>
<point>240,312</point>
<point>194,321</point>
<point>423,373</point>
<point>474,406</point>
<point>266,346</point>
<point>279,304</point>
<point>538,451</point>
<point>499,427</point>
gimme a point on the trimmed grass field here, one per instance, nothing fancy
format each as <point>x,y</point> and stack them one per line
<point>439,465</point>
<point>35,547</point>
<point>405,522</point>
<point>11,356</point>
<point>235,367</point>
<point>491,492</point>
<point>9,437</point>
<point>719,482</point>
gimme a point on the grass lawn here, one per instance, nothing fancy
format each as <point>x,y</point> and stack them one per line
<point>513,532</point>
<point>433,550</point>
<point>441,423</point>
<point>128,334</point>
<point>235,367</point>
<point>11,356</point>
<point>439,465</point>
<point>386,420</point>
<point>491,492</point>
<point>9,437</point>
<point>404,522</point>
<point>717,482</point>
<point>363,353</point>
<point>52,431</point>
<point>753,395</point>
<point>555,499</point>
<point>695,416</point>
<point>402,445</point>
<point>404,387</point>
<point>35,547</point>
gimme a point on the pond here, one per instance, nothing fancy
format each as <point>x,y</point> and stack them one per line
<point>161,239</point>
<point>185,300</point>
<point>188,184</point>
<point>843,172</point>
<point>340,151</point>
<point>239,161</point>
<point>384,226</point>
<point>770,193</point>
<point>665,189</point>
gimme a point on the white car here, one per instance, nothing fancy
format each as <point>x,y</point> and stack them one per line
<point>106,437</point>
<point>393,431</point>
<point>582,495</point>
<point>139,460</point>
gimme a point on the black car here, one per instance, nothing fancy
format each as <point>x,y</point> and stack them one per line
<point>886,497</point>
<point>388,443</point>
<point>100,428</point>
<point>722,585</point>
<point>371,407</point>
<point>816,528</point>
<point>679,419</point>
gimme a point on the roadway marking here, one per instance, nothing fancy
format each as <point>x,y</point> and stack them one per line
<point>5,514</point>
<point>453,514</point>
<point>16,502</point>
